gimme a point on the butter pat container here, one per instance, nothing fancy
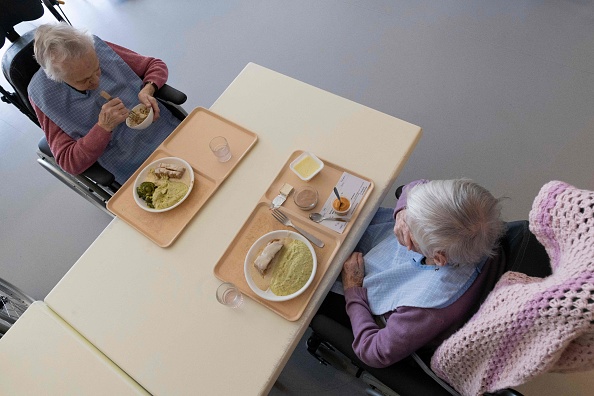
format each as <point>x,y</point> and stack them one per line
<point>306,166</point>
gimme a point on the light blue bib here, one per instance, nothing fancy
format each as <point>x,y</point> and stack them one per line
<point>395,277</point>
<point>76,113</point>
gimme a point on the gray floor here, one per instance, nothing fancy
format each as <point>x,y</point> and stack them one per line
<point>502,89</point>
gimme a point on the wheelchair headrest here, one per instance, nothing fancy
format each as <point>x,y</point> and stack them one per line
<point>13,12</point>
<point>19,66</point>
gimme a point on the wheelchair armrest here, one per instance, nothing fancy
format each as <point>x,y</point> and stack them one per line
<point>170,94</point>
<point>99,175</point>
<point>339,336</point>
<point>96,172</point>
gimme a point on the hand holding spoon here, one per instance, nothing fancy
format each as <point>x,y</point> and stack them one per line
<point>318,218</point>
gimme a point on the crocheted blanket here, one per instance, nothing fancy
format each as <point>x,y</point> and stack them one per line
<point>528,326</point>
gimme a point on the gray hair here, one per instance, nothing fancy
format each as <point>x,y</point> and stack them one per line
<point>55,44</point>
<point>456,217</point>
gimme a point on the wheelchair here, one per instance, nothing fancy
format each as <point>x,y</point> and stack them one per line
<point>13,303</point>
<point>96,184</point>
<point>331,340</point>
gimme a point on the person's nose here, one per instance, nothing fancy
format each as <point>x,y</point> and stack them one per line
<point>95,79</point>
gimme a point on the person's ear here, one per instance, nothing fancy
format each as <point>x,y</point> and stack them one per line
<point>440,258</point>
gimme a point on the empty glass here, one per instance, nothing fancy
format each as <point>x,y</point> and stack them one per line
<point>228,294</point>
<point>220,148</point>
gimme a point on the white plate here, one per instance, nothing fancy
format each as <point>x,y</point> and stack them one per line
<point>257,248</point>
<point>187,178</point>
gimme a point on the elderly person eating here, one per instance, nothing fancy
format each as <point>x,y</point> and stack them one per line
<point>420,268</point>
<point>80,125</point>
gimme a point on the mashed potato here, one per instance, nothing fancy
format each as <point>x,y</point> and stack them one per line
<point>293,268</point>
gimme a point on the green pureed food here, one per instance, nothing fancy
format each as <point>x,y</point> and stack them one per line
<point>293,268</point>
<point>161,192</point>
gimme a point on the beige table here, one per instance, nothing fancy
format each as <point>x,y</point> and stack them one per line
<point>153,311</point>
<point>43,355</point>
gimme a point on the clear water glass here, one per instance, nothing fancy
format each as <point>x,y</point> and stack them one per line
<point>220,148</point>
<point>228,294</point>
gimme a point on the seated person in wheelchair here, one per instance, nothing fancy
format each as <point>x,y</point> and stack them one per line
<point>420,268</point>
<point>80,125</point>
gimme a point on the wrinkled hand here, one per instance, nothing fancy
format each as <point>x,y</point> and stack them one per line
<point>145,96</point>
<point>353,271</point>
<point>112,114</point>
<point>402,231</point>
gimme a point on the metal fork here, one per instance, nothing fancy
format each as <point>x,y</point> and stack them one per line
<point>282,218</point>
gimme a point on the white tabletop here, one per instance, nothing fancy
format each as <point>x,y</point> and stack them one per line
<point>42,355</point>
<point>153,310</point>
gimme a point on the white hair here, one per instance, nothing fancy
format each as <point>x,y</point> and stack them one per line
<point>456,217</point>
<point>56,44</point>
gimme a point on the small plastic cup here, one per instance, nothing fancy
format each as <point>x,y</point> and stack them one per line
<point>229,295</point>
<point>341,207</point>
<point>220,148</point>
<point>305,197</point>
<point>306,166</point>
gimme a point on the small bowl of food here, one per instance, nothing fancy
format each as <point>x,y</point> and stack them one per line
<point>163,184</point>
<point>280,265</point>
<point>140,117</point>
<point>306,166</point>
<point>341,207</point>
<point>305,197</point>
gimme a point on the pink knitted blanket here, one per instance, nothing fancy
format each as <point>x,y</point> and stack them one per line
<point>528,326</point>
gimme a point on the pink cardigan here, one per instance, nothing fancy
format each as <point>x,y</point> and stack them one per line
<point>529,326</point>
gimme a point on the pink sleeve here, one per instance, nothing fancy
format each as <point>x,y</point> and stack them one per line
<point>74,156</point>
<point>147,68</point>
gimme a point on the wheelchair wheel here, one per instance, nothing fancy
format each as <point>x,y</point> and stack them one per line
<point>13,303</point>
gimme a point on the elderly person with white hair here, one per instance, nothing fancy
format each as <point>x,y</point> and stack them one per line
<point>80,125</point>
<point>421,268</point>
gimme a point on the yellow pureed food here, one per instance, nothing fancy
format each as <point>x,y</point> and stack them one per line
<point>293,268</point>
<point>168,188</point>
<point>168,193</point>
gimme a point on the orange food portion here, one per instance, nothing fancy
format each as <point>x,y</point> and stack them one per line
<point>343,205</point>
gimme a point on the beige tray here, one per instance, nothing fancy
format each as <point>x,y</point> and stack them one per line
<point>230,266</point>
<point>189,141</point>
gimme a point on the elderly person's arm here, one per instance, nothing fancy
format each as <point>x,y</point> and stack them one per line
<point>153,72</point>
<point>76,156</point>
<point>407,328</point>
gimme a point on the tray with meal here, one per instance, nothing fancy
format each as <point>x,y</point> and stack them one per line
<point>281,265</point>
<point>178,178</point>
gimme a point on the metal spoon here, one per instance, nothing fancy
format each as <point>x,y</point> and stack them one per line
<point>318,218</point>
<point>338,196</point>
